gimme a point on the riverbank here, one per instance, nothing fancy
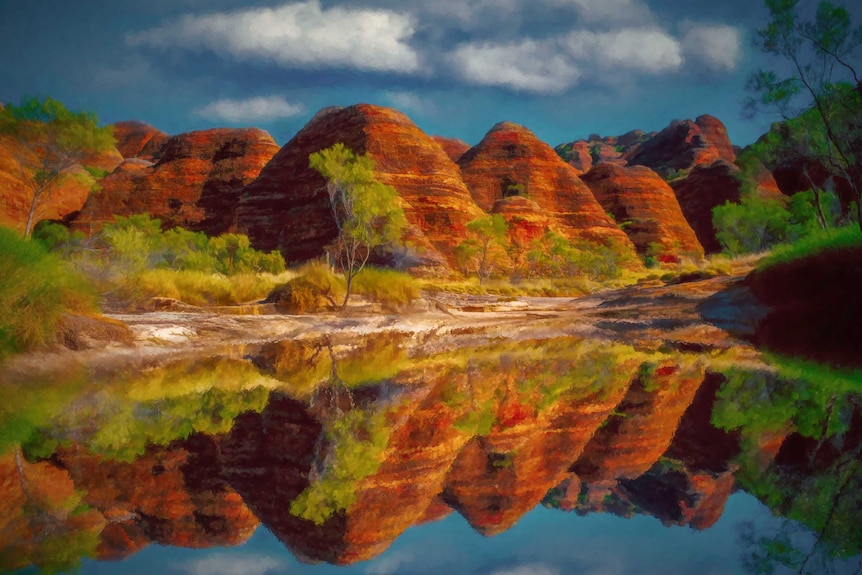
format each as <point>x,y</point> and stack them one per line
<point>715,313</point>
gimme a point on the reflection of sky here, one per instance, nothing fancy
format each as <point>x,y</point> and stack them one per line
<point>544,542</point>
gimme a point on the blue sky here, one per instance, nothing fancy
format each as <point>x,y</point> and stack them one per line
<point>563,68</point>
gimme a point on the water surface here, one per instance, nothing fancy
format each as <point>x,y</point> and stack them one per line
<point>530,457</point>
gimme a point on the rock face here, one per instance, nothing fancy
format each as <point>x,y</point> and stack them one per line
<point>510,161</point>
<point>453,147</point>
<point>195,184</point>
<point>631,443</point>
<point>287,207</point>
<point>645,206</point>
<point>684,145</point>
<point>708,186</point>
<point>139,140</point>
<point>65,197</point>
<point>584,154</point>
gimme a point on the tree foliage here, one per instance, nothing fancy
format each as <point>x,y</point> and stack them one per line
<point>820,51</point>
<point>484,252</point>
<point>366,212</point>
<point>49,140</point>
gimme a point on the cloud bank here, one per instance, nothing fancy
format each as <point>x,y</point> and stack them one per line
<point>461,42</point>
<point>300,34</point>
<point>262,108</point>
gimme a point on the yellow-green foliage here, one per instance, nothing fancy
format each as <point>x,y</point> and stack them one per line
<point>314,288</point>
<point>824,241</point>
<point>379,359</point>
<point>157,406</point>
<point>198,288</point>
<point>391,288</point>
<point>36,288</point>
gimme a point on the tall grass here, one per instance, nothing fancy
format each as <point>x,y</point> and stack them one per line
<point>391,288</point>
<point>36,288</point>
<point>195,287</point>
<point>817,243</point>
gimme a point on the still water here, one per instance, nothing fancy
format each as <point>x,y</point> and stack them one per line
<point>547,457</point>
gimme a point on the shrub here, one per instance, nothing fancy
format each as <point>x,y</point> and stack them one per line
<point>391,288</point>
<point>316,288</point>
<point>37,288</point>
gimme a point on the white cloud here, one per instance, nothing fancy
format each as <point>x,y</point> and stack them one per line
<point>300,34</point>
<point>410,102</point>
<point>261,108</point>
<point>529,65</point>
<point>529,569</point>
<point>717,46</point>
<point>231,564</point>
<point>647,50</point>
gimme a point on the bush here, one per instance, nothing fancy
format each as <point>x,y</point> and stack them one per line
<point>315,289</point>
<point>391,288</point>
<point>37,288</point>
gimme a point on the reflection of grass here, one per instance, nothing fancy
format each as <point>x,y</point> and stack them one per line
<point>381,358</point>
<point>157,407</point>
<point>28,407</point>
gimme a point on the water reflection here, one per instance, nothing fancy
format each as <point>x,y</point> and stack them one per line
<point>338,449</point>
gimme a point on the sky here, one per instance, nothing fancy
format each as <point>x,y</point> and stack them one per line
<point>563,68</point>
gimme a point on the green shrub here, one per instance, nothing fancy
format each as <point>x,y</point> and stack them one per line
<point>36,289</point>
<point>816,243</point>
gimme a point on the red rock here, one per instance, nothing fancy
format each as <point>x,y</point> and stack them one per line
<point>645,207</point>
<point>39,513</point>
<point>706,187</point>
<point>435,199</point>
<point>453,147</point>
<point>684,145</point>
<point>65,197</point>
<point>154,491</point>
<point>631,442</point>
<point>139,140</point>
<point>511,161</point>
<point>195,184</point>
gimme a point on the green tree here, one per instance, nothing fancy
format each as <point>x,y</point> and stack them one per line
<point>820,51</point>
<point>48,141</point>
<point>485,249</point>
<point>367,213</point>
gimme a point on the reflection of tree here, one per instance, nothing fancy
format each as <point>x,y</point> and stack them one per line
<point>815,481</point>
<point>52,528</point>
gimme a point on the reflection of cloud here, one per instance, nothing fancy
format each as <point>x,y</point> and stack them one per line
<point>529,65</point>
<point>717,46</point>
<point>300,34</point>
<point>390,564</point>
<point>607,11</point>
<point>528,569</point>
<point>230,564</point>
<point>251,109</point>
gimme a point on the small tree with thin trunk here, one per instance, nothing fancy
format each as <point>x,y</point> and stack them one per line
<point>46,141</point>
<point>366,212</point>
<point>485,249</point>
<point>820,53</point>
